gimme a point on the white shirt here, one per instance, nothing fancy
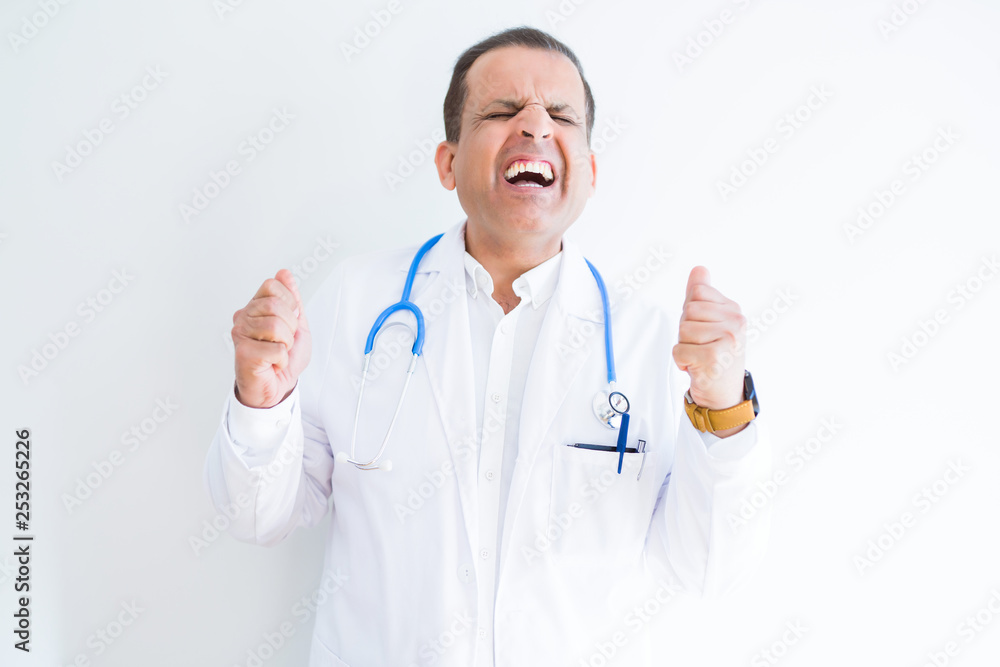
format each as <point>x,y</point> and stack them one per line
<point>501,348</point>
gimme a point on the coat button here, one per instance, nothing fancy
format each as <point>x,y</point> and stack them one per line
<point>484,554</point>
<point>490,475</point>
<point>465,573</point>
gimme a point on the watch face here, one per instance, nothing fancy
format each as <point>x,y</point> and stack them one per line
<point>749,393</point>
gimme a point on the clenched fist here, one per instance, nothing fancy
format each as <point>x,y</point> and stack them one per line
<point>711,344</point>
<point>272,341</point>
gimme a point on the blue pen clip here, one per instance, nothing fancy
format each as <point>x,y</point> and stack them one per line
<point>622,439</point>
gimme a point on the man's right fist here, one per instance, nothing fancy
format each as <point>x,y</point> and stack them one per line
<point>272,342</point>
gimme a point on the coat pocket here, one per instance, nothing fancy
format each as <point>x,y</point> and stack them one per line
<point>594,511</point>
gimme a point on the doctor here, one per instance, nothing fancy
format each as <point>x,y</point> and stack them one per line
<point>494,539</point>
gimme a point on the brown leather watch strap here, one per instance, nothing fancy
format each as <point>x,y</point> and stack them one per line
<point>709,421</point>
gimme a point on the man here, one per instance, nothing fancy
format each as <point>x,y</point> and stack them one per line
<point>493,540</point>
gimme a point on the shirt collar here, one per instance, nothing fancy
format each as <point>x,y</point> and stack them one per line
<point>536,285</point>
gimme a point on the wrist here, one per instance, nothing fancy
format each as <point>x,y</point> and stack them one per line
<point>708,404</point>
<point>724,420</point>
<point>236,395</point>
<point>726,432</point>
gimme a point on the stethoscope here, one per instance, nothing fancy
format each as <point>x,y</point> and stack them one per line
<point>610,406</point>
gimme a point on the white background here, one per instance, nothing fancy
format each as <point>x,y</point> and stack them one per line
<point>683,130</point>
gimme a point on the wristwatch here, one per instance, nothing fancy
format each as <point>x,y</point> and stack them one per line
<point>710,421</point>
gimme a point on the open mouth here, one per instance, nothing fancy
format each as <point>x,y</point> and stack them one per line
<point>529,174</point>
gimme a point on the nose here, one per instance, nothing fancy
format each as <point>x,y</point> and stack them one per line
<point>534,121</point>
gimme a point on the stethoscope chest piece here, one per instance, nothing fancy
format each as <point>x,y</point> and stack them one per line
<point>609,411</point>
<point>611,408</point>
<point>603,410</point>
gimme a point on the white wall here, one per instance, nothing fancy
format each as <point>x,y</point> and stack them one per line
<point>681,131</point>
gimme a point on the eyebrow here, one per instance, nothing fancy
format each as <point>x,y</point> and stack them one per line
<point>517,104</point>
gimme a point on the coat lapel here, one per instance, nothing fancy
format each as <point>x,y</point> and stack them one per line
<point>447,359</point>
<point>560,352</point>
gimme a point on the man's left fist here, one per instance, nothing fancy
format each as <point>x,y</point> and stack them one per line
<point>711,345</point>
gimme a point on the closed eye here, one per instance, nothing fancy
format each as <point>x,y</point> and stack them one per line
<point>510,115</point>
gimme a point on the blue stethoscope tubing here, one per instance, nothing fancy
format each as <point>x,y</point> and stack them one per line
<point>418,343</point>
<point>404,303</point>
<point>609,355</point>
<point>609,351</point>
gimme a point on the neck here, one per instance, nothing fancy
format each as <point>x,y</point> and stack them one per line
<point>506,258</point>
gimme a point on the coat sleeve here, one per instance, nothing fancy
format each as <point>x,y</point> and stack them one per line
<point>268,470</point>
<point>697,535</point>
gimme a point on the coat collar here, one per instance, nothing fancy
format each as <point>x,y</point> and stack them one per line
<point>535,286</point>
<point>448,256</point>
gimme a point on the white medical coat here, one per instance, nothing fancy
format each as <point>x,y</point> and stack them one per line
<point>403,545</point>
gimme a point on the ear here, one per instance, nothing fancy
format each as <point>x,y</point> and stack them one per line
<point>593,175</point>
<point>444,159</point>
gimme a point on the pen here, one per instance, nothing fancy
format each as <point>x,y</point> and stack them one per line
<point>622,439</point>
<point>602,448</point>
<point>641,447</point>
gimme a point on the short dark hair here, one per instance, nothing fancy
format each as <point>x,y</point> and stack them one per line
<point>458,91</point>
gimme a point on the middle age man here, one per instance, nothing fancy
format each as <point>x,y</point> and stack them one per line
<point>494,540</point>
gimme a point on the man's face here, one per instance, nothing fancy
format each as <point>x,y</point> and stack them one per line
<point>523,104</point>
